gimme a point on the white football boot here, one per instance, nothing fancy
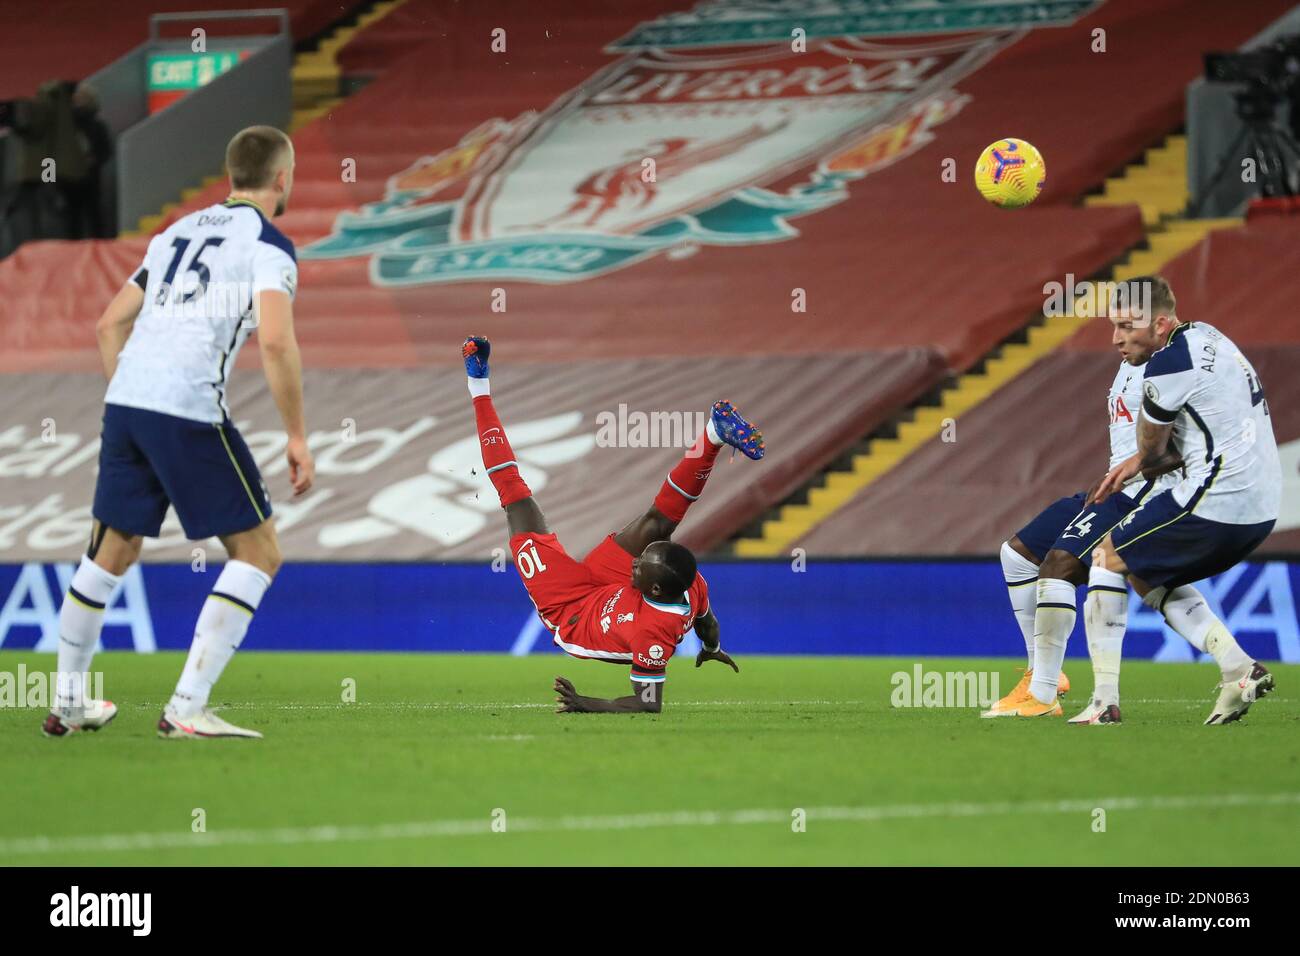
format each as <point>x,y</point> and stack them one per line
<point>203,724</point>
<point>67,720</point>
<point>1097,713</point>
<point>1235,697</point>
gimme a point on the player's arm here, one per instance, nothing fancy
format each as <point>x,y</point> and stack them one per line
<point>1168,385</point>
<point>1156,456</point>
<point>282,364</point>
<point>709,631</point>
<point>646,697</point>
<point>114,326</point>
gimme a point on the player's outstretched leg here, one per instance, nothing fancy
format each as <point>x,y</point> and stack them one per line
<point>523,515</point>
<point>80,620</point>
<point>685,483</point>
<point>1188,613</point>
<point>1245,680</point>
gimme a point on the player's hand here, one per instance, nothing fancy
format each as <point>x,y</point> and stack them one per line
<point>1114,480</point>
<point>568,701</point>
<point>718,655</point>
<point>302,467</point>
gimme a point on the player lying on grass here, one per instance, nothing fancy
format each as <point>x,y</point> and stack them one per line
<point>637,594</point>
<point>1200,396</point>
<point>168,341</point>
<point>1060,541</point>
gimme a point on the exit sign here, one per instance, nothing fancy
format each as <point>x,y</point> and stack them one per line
<point>172,75</point>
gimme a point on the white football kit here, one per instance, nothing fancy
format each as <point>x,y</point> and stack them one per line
<point>167,440</point>
<point>1125,402</point>
<point>1202,384</point>
<point>1226,500</point>
<point>199,278</point>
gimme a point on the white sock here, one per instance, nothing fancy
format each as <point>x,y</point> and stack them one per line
<point>223,622</point>
<point>1105,619</point>
<point>1187,612</point>
<point>1021,576</point>
<point>478,386</point>
<point>80,620</point>
<point>1053,622</point>
<point>712,432</point>
<point>1234,663</point>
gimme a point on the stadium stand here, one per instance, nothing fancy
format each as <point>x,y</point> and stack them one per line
<point>1158,184</point>
<point>890,314</point>
<point>1044,435</point>
<point>106,31</point>
<point>377,49</point>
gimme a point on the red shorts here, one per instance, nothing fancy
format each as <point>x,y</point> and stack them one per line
<point>555,580</point>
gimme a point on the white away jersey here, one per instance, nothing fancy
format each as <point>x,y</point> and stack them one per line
<point>199,279</point>
<point>1202,384</point>
<point>1124,402</point>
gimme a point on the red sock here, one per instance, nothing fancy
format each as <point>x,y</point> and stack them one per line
<point>686,481</point>
<point>498,456</point>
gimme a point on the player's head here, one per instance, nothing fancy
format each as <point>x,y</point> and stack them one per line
<point>1142,315</point>
<point>664,570</point>
<point>259,159</point>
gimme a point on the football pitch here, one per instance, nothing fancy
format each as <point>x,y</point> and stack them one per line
<point>459,759</point>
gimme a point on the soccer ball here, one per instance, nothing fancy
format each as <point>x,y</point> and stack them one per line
<point>1010,173</point>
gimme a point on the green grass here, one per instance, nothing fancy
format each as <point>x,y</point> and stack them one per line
<point>438,738</point>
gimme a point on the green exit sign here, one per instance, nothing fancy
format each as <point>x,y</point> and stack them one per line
<point>172,75</point>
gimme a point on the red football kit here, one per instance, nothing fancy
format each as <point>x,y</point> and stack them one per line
<point>593,611</point>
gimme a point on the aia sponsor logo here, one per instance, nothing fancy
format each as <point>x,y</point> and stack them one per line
<point>1119,411</point>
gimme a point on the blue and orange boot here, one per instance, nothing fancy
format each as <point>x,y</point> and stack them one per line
<point>736,432</point>
<point>476,350</point>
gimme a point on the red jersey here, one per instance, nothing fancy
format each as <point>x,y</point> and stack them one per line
<point>619,623</point>
<point>593,611</point>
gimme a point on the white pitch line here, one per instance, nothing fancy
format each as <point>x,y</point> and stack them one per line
<point>285,836</point>
<point>534,705</point>
<point>525,705</point>
<point>476,705</point>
